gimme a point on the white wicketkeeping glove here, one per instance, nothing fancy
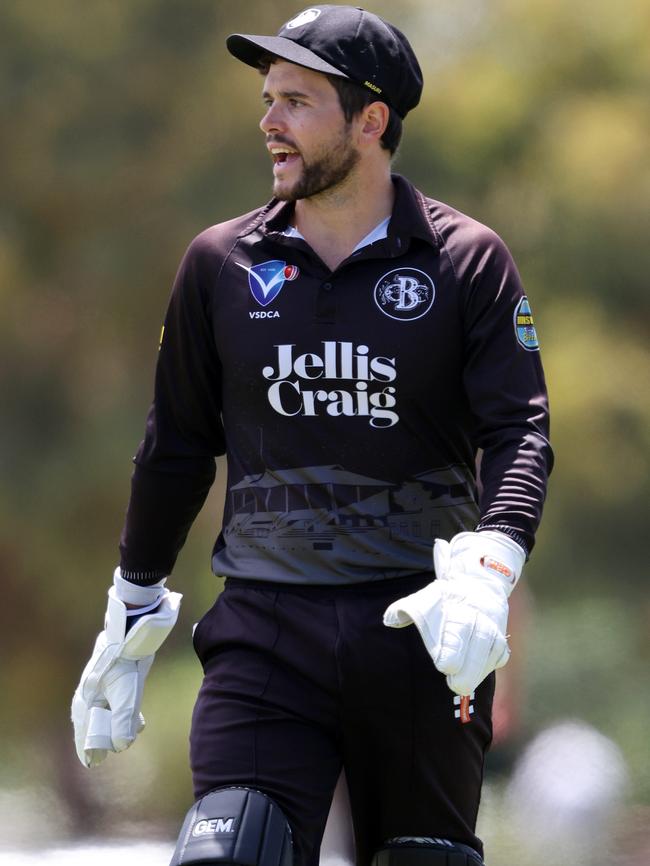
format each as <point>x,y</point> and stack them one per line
<point>106,705</point>
<point>462,616</point>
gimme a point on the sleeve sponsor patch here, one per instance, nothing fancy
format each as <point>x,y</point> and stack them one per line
<point>525,326</point>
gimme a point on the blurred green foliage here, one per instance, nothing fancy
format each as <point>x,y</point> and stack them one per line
<point>126,129</point>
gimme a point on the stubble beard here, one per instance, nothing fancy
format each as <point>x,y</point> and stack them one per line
<point>322,174</point>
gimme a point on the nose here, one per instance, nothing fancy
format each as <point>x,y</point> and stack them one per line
<point>272,120</point>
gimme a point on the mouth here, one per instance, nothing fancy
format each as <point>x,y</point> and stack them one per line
<point>283,155</point>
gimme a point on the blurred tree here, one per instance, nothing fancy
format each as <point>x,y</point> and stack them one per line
<point>126,129</point>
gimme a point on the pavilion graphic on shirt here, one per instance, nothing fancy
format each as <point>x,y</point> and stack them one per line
<point>327,507</point>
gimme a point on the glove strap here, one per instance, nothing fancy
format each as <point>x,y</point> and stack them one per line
<point>134,614</point>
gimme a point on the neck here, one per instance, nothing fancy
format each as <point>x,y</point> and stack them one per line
<point>334,221</point>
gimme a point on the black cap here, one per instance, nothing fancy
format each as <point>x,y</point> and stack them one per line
<point>344,41</point>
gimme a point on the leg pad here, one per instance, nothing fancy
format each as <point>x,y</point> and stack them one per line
<point>234,827</point>
<point>425,851</point>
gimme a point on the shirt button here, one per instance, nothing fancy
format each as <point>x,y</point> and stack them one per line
<point>327,286</point>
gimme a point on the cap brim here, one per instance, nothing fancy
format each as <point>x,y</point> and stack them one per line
<point>249,49</point>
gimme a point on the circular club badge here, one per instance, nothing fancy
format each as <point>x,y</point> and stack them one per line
<point>405,294</point>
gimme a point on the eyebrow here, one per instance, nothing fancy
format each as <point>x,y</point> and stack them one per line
<point>287,94</point>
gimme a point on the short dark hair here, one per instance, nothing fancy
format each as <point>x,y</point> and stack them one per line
<point>353,98</point>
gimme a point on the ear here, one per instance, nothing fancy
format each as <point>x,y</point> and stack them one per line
<point>374,121</point>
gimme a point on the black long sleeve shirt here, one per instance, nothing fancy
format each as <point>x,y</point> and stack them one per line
<point>351,404</point>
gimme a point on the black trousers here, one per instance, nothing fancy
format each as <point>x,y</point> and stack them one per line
<point>301,680</point>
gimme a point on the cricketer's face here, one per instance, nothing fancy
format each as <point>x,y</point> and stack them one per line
<point>311,144</point>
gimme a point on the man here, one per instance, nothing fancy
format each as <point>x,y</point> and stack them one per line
<point>351,346</point>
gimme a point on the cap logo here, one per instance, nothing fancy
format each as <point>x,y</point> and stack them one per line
<point>372,86</point>
<point>305,17</point>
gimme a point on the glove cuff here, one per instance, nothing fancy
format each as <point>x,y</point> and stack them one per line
<point>516,552</point>
<point>516,536</point>
<point>133,594</point>
<point>488,554</point>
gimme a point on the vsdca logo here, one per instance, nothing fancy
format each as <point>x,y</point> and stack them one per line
<point>405,294</point>
<point>266,280</point>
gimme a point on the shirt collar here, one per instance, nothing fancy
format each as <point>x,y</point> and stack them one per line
<point>410,217</point>
<point>379,232</point>
<point>411,214</point>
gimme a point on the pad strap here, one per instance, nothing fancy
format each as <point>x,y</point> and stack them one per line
<point>425,851</point>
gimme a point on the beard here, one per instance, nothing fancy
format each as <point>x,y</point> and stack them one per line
<point>323,172</point>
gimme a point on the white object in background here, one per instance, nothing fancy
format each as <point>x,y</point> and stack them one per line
<point>131,854</point>
<point>565,793</point>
